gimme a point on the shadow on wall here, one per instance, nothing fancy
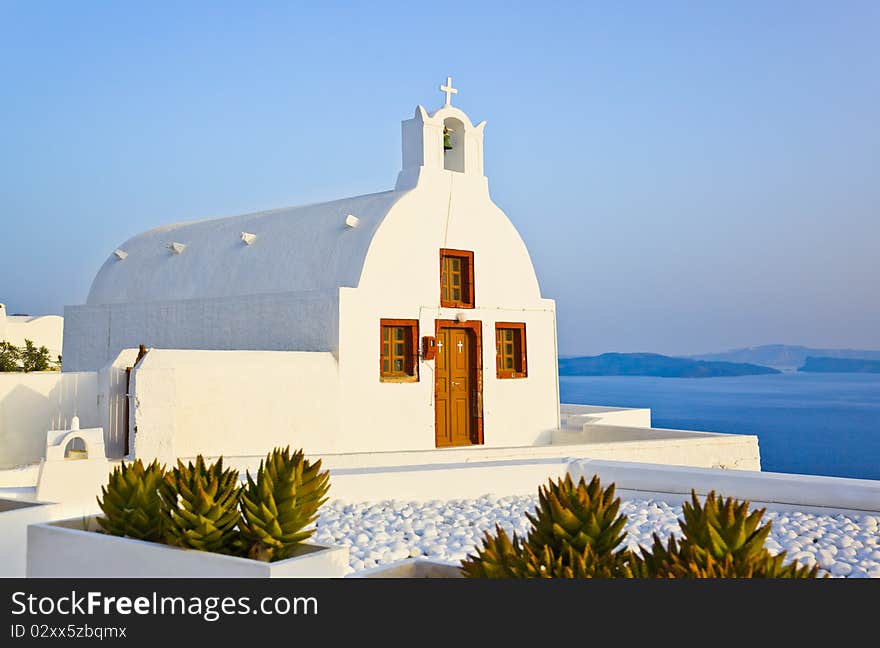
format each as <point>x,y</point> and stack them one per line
<point>32,404</point>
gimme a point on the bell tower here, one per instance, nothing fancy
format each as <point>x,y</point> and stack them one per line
<point>441,143</point>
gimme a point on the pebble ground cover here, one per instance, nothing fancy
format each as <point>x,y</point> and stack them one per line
<point>383,532</point>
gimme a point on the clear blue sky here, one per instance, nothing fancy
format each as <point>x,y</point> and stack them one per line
<point>689,177</point>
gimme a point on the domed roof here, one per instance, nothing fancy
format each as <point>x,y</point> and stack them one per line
<point>310,247</point>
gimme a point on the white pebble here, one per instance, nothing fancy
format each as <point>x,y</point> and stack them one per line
<point>840,569</point>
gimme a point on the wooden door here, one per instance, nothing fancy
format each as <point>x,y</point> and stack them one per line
<point>455,387</point>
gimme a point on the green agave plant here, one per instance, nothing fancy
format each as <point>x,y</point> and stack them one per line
<point>498,557</point>
<point>503,557</point>
<point>577,516</point>
<point>130,501</point>
<point>721,539</point>
<point>200,506</point>
<point>280,503</point>
<point>574,533</point>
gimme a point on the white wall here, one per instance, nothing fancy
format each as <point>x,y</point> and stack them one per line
<point>305,321</point>
<point>446,481</point>
<point>42,330</point>
<point>574,417</point>
<point>233,402</point>
<point>112,396</point>
<point>15,516</point>
<point>33,403</point>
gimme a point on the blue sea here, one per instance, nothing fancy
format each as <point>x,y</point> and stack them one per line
<point>819,424</point>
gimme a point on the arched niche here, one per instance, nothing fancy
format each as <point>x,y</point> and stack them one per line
<point>453,159</point>
<point>76,448</point>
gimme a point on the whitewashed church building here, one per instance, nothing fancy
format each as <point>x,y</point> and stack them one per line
<point>403,320</point>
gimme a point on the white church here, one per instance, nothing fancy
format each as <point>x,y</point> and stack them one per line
<point>403,320</point>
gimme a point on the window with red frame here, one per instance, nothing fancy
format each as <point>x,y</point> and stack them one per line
<point>510,345</point>
<point>398,360</point>
<point>456,279</point>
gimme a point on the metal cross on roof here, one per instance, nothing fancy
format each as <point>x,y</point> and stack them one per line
<point>449,90</point>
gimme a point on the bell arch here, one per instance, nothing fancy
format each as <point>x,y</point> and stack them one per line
<point>453,144</point>
<point>76,448</point>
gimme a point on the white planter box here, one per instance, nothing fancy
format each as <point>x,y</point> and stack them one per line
<point>64,549</point>
<point>15,516</point>
<point>413,568</point>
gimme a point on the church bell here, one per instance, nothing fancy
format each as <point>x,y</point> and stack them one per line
<point>447,141</point>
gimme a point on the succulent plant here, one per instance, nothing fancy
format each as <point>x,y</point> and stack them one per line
<point>130,501</point>
<point>574,533</point>
<point>572,564</point>
<point>721,539</point>
<point>200,506</point>
<point>499,557</point>
<point>576,516</point>
<point>278,506</point>
<point>724,527</point>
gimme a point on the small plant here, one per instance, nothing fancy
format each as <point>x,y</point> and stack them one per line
<point>574,533</point>
<point>10,357</point>
<point>130,502</point>
<point>27,358</point>
<point>280,503</point>
<point>577,516</point>
<point>721,539</point>
<point>34,358</point>
<point>200,506</point>
<point>499,557</point>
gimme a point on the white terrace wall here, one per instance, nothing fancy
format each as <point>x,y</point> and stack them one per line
<point>575,417</point>
<point>187,403</point>
<point>33,403</point>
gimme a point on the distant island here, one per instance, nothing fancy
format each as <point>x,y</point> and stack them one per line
<point>784,356</point>
<point>840,365</point>
<point>653,364</point>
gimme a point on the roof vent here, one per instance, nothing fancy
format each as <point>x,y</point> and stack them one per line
<point>247,238</point>
<point>120,254</point>
<point>177,248</point>
<point>351,221</point>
